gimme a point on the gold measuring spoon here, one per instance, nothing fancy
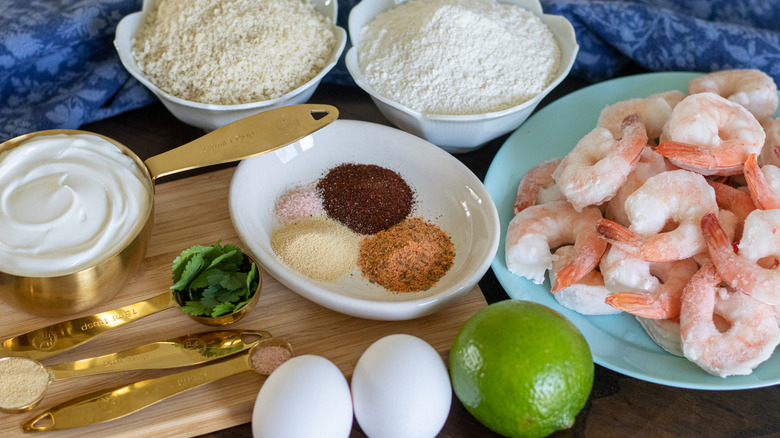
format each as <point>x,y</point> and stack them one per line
<point>63,336</point>
<point>112,404</point>
<point>24,381</point>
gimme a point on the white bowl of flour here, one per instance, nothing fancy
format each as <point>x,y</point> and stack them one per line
<point>458,74</point>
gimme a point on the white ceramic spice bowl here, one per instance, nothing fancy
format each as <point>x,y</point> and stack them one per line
<point>212,116</point>
<point>458,133</point>
<point>448,195</point>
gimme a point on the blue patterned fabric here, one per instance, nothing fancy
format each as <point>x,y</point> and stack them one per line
<point>59,69</point>
<point>673,35</point>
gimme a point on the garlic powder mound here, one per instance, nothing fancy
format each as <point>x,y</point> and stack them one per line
<point>457,57</point>
<point>232,51</point>
<point>318,247</point>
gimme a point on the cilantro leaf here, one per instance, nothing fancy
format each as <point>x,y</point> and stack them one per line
<point>222,309</point>
<point>180,261</point>
<point>194,308</point>
<point>209,297</point>
<point>190,272</point>
<point>214,280</point>
<point>226,295</point>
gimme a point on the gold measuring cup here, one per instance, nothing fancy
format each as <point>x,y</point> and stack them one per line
<point>177,352</point>
<point>102,406</point>
<point>63,336</point>
<point>64,295</point>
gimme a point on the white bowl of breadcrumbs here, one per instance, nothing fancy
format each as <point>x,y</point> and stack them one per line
<point>458,73</point>
<point>212,62</point>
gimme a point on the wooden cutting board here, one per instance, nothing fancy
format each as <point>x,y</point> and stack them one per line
<point>194,211</point>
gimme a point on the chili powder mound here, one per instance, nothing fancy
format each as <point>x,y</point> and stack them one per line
<point>411,256</point>
<point>366,198</point>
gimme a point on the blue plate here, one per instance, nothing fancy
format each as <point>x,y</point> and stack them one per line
<point>617,342</point>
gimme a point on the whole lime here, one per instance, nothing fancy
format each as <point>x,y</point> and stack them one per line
<point>521,369</point>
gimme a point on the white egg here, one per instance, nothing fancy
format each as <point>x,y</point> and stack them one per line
<point>401,388</point>
<point>307,396</point>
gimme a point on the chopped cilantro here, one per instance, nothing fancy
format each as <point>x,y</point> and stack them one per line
<point>213,281</point>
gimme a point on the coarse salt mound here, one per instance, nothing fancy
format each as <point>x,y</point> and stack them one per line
<point>232,51</point>
<point>298,203</point>
<point>458,57</point>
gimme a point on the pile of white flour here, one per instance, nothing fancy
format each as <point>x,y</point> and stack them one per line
<point>458,56</point>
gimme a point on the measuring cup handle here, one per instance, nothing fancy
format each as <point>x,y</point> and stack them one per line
<point>244,138</point>
<point>56,338</point>
<point>115,403</point>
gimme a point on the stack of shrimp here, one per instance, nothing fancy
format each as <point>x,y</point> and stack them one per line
<point>669,210</point>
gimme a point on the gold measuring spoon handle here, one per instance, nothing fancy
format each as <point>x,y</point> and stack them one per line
<point>177,352</point>
<point>57,338</point>
<point>116,403</point>
<point>244,138</point>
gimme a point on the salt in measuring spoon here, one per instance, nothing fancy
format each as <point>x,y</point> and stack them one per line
<point>24,381</point>
<point>107,405</point>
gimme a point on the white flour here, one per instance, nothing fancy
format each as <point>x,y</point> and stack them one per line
<point>458,56</point>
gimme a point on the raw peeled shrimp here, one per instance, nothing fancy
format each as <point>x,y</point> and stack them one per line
<point>537,186</point>
<point>764,184</point>
<point>677,196</point>
<point>535,231</point>
<point>750,88</point>
<point>625,273</point>
<point>586,295</point>
<point>769,153</point>
<point>599,164</point>
<point>664,332</point>
<point>745,271</point>
<point>746,333</point>
<point>711,135</point>
<point>654,111</point>
<point>662,302</point>
<point>650,164</point>
<point>733,199</point>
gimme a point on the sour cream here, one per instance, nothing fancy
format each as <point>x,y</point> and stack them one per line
<point>68,202</point>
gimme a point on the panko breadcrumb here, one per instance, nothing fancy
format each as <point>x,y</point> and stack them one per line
<point>232,51</point>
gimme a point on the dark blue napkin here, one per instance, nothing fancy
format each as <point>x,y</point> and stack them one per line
<point>673,35</point>
<point>58,66</point>
<point>59,69</point>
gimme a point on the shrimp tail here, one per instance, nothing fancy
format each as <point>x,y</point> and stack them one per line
<point>639,304</point>
<point>568,275</point>
<point>729,198</point>
<point>687,153</point>
<point>716,239</point>
<point>760,191</point>
<point>618,235</point>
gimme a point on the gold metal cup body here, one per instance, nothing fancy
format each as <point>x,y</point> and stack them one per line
<point>66,295</point>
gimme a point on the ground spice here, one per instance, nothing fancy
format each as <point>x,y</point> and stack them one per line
<point>22,382</point>
<point>298,203</point>
<point>265,360</point>
<point>317,247</point>
<point>408,257</point>
<point>365,197</point>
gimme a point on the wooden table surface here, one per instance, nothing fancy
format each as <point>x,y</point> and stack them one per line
<point>618,405</point>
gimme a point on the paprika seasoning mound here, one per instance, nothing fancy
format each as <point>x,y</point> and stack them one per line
<point>410,256</point>
<point>366,198</point>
